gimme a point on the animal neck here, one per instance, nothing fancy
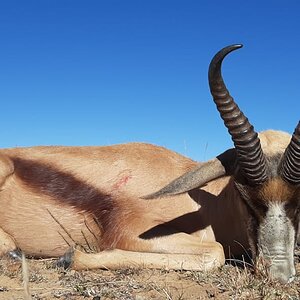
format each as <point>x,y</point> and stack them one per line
<point>228,216</point>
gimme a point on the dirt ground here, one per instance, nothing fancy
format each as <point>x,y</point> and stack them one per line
<point>46,281</point>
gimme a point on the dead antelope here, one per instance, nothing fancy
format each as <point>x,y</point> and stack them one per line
<point>54,198</point>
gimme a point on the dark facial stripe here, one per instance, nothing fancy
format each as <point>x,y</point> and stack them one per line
<point>66,189</point>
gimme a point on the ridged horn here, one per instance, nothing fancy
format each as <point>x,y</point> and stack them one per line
<point>290,163</point>
<point>250,156</point>
<point>220,166</point>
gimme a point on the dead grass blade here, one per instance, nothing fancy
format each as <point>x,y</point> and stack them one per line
<point>25,275</point>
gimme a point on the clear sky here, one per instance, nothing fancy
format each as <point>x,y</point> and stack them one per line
<point>106,72</point>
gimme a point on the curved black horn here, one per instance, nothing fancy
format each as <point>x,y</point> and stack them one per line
<point>290,164</point>
<point>220,166</point>
<point>247,144</point>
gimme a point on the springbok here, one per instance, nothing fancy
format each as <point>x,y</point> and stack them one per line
<point>55,198</point>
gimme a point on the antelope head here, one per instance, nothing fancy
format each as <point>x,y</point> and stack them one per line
<point>269,186</point>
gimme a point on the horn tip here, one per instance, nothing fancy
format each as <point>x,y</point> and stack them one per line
<point>237,46</point>
<point>226,50</point>
<point>216,62</point>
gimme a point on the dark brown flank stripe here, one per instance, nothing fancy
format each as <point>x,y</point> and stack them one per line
<point>66,189</point>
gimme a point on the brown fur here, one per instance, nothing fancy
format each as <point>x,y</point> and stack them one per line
<point>56,197</point>
<point>87,196</point>
<point>67,190</point>
<point>276,190</point>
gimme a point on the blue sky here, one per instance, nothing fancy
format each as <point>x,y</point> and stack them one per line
<point>106,72</point>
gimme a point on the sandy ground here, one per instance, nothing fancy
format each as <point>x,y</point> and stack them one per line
<point>46,281</point>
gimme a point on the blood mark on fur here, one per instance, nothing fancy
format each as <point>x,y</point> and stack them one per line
<point>122,181</point>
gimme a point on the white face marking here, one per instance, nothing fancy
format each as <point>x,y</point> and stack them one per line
<point>276,241</point>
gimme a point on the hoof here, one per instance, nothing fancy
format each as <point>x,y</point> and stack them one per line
<point>15,254</point>
<point>66,260</point>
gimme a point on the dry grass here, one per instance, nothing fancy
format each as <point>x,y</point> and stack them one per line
<point>45,281</point>
<point>25,278</point>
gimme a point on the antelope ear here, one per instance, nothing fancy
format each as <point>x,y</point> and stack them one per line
<point>220,166</point>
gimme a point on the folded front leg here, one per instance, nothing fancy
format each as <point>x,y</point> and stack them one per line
<point>179,252</point>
